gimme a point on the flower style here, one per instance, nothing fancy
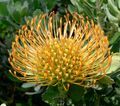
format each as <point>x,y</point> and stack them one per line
<point>49,50</point>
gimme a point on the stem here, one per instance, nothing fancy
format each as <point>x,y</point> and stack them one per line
<point>62,96</point>
<point>97,99</point>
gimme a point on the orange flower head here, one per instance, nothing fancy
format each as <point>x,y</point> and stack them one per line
<point>49,50</point>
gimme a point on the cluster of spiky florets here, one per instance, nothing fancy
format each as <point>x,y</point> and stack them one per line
<point>50,50</point>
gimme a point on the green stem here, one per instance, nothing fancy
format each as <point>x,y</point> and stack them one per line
<point>62,96</point>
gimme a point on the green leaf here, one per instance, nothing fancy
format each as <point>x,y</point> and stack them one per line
<point>109,15</point>
<point>93,1</point>
<point>75,2</point>
<point>11,8</point>
<point>76,93</point>
<point>91,98</point>
<point>78,5</point>
<point>3,9</point>
<point>16,16</point>
<point>71,8</point>
<point>19,104</point>
<point>37,12</point>
<point>118,2</point>
<point>105,81</point>
<point>114,38</point>
<point>51,95</point>
<point>18,10</point>
<point>50,4</point>
<point>117,90</point>
<point>115,65</point>
<point>18,6</point>
<point>113,8</point>
<point>117,78</point>
<point>24,9</point>
<point>116,46</point>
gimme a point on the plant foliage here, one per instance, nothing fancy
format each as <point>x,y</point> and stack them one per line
<point>13,14</point>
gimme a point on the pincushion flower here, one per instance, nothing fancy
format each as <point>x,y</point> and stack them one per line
<point>49,50</point>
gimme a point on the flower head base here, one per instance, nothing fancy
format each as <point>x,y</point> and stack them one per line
<point>51,50</point>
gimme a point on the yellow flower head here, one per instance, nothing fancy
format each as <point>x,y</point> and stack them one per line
<point>50,50</point>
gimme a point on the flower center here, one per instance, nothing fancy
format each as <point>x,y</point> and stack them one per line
<point>61,60</point>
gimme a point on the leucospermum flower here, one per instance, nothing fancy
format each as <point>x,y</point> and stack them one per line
<point>49,50</point>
